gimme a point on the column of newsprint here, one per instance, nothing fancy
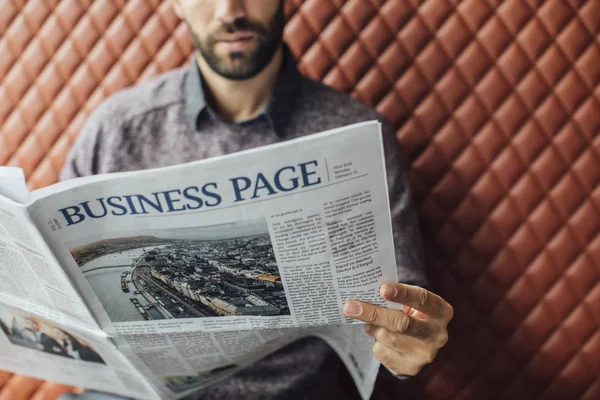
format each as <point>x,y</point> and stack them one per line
<point>29,276</point>
<point>329,256</point>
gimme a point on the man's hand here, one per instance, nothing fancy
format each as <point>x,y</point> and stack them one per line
<point>405,341</point>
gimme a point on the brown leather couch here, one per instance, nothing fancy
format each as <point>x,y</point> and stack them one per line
<point>497,105</point>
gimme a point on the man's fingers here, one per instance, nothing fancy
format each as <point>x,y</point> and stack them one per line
<point>396,341</point>
<point>399,363</point>
<point>405,343</point>
<point>418,298</point>
<point>393,320</point>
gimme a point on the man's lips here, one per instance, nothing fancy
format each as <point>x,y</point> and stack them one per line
<point>234,42</point>
<point>235,37</point>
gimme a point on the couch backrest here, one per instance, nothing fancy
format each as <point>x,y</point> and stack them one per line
<point>497,106</point>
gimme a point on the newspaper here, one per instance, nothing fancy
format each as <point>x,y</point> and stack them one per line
<point>155,283</point>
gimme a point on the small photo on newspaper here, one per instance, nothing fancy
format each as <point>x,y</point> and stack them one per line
<point>25,330</point>
<point>194,272</point>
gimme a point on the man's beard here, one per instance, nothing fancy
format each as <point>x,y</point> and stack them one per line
<point>240,65</point>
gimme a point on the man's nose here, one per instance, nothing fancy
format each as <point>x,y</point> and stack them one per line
<point>229,10</point>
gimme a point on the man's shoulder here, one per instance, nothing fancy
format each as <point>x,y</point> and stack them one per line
<point>157,93</point>
<point>326,100</point>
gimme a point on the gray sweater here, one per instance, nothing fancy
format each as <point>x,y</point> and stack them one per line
<point>168,121</point>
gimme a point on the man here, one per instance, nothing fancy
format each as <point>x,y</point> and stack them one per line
<point>40,340</point>
<point>243,90</point>
<point>4,328</point>
<point>76,349</point>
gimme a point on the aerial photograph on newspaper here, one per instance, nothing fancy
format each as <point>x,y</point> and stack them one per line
<point>208,271</point>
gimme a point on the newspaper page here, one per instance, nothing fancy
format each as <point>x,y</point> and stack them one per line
<point>354,347</point>
<point>46,331</point>
<point>275,237</point>
<point>12,184</point>
<point>189,268</point>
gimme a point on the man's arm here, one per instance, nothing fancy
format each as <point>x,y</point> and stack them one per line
<point>82,159</point>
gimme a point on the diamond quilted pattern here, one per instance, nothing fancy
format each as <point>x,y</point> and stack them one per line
<point>497,105</point>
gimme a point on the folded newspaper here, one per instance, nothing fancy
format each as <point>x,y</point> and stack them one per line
<point>155,283</point>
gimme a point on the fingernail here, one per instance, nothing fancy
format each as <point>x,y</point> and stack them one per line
<point>352,309</point>
<point>388,291</point>
<point>368,327</point>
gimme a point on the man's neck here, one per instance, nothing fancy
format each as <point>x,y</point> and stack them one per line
<point>241,100</point>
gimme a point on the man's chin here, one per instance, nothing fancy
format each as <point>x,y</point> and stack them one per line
<point>236,67</point>
<point>236,74</point>
<point>235,55</point>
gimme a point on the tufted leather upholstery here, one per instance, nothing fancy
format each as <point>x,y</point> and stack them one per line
<point>497,106</point>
